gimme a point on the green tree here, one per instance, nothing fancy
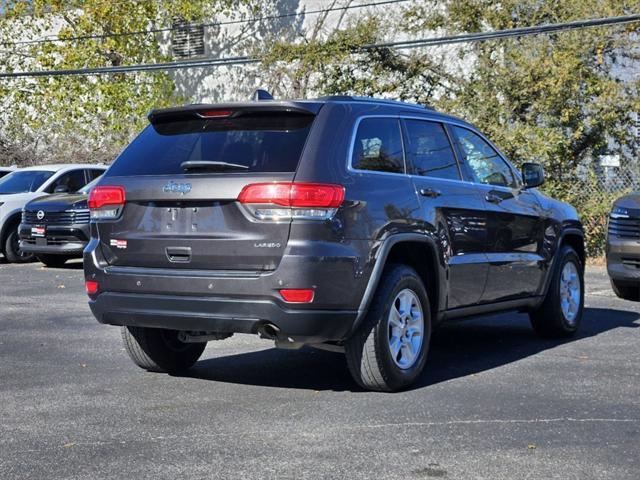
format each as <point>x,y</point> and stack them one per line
<point>87,116</point>
<point>552,98</point>
<point>337,58</point>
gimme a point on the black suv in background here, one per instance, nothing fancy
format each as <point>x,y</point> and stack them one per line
<point>56,227</point>
<point>345,223</point>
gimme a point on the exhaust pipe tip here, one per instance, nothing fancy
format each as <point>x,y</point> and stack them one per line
<point>268,331</point>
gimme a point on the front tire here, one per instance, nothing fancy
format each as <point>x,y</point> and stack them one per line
<point>560,314</point>
<point>389,349</point>
<point>160,350</point>
<point>625,291</point>
<point>53,261</point>
<point>12,251</point>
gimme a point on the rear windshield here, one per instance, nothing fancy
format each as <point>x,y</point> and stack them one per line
<point>263,142</point>
<point>25,181</point>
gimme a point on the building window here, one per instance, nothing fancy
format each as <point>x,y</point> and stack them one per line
<point>187,39</point>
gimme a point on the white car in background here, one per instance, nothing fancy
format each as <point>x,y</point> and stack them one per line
<point>23,185</point>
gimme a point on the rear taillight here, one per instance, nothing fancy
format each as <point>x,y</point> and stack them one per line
<point>106,202</point>
<point>292,200</point>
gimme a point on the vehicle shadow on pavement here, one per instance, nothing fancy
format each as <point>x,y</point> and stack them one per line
<point>457,350</point>
<point>462,349</point>
<point>75,264</point>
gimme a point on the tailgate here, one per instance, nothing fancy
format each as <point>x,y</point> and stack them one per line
<point>187,216</point>
<point>208,230</point>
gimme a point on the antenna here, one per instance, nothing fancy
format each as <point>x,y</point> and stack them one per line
<point>261,95</point>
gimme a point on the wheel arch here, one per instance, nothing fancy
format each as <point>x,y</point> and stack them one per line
<point>416,250</point>
<point>573,237</point>
<point>14,218</point>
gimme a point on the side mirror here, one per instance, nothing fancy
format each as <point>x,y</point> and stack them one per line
<point>532,175</point>
<point>61,189</point>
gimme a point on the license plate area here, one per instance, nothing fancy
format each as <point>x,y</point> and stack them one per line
<point>38,232</point>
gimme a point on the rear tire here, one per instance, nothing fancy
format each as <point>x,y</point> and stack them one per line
<point>625,291</point>
<point>159,350</point>
<point>53,261</point>
<point>560,314</point>
<point>12,252</point>
<point>389,349</point>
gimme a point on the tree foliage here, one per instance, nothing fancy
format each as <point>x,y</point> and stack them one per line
<point>87,116</point>
<point>553,98</point>
<point>343,61</point>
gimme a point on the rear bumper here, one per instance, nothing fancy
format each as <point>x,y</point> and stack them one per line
<point>623,260</point>
<point>220,315</point>
<point>233,301</point>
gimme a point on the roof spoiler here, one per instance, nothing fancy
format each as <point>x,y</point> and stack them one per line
<point>195,111</point>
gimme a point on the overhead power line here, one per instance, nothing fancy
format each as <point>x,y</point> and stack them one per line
<point>513,32</point>
<point>398,45</point>
<point>206,25</point>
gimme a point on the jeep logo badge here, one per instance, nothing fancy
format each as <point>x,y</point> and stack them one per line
<point>40,215</point>
<point>173,187</point>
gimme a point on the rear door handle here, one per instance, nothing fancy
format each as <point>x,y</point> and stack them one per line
<point>430,192</point>
<point>493,198</point>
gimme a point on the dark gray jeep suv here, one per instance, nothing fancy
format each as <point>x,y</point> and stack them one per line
<point>344,223</point>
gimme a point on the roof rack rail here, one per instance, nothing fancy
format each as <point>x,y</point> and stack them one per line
<point>355,98</point>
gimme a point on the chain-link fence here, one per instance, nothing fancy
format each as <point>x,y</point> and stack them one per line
<point>593,193</point>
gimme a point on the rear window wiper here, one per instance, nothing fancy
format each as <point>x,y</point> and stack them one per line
<point>211,165</point>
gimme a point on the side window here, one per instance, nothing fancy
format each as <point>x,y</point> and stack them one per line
<point>483,161</point>
<point>92,174</point>
<point>378,146</point>
<point>73,180</point>
<point>429,150</point>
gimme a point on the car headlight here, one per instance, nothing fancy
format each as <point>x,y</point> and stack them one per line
<point>619,212</point>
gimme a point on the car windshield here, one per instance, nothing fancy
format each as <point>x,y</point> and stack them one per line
<point>24,181</point>
<point>89,186</point>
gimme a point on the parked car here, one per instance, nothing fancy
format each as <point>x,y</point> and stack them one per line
<point>6,171</point>
<point>23,185</point>
<point>345,223</point>
<point>623,247</point>
<point>56,227</point>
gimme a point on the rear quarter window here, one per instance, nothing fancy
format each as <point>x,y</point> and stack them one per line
<point>378,146</point>
<point>262,142</point>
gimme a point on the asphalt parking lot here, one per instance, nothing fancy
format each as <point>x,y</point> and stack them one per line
<point>496,402</point>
